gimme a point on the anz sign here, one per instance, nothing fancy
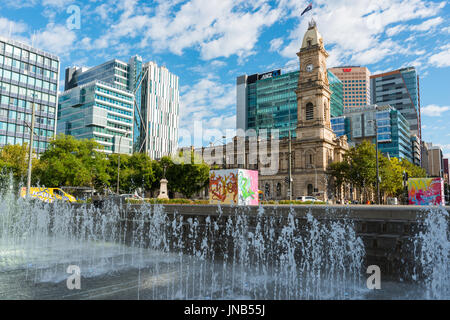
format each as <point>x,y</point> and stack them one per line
<point>271,74</point>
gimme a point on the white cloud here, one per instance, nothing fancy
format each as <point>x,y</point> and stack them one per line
<point>20,3</point>
<point>433,110</point>
<point>211,103</point>
<point>355,29</point>
<point>57,3</point>
<point>216,28</point>
<point>11,28</point>
<point>56,39</point>
<point>275,44</point>
<point>441,59</point>
<point>428,24</point>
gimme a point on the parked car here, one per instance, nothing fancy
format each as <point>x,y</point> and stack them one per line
<point>47,194</point>
<point>131,196</point>
<point>308,198</point>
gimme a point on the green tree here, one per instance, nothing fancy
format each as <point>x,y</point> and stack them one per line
<point>72,162</point>
<point>14,162</point>
<point>340,171</point>
<point>362,171</point>
<point>186,175</point>
<point>359,169</point>
<point>136,171</point>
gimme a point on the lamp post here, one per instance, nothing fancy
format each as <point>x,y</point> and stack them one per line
<point>290,155</point>
<point>30,149</point>
<point>376,151</point>
<point>118,163</point>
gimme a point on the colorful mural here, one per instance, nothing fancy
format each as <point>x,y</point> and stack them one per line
<point>236,186</point>
<point>426,191</point>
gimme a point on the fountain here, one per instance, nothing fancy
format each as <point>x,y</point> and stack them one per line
<point>150,252</point>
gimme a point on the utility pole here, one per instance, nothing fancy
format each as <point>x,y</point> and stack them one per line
<point>118,163</point>
<point>30,151</point>
<point>290,156</point>
<point>290,165</point>
<point>376,151</point>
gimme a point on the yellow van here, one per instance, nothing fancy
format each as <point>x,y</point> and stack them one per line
<point>47,194</point>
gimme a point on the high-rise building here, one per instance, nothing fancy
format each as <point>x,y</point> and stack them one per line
<point>446,172</point>
<point>337,95</point>
<point>356,83</point>
<point>394,138</point>
<point>268,101</point>
<point>156,112</point>
<point>416,150</point>
<point>400,89</point>
<point>435,161</point>
<point>101,111</point>
<point>424,154</point>
<point>28,77</point>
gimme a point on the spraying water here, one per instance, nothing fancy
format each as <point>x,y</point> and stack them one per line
<point>145,253</point>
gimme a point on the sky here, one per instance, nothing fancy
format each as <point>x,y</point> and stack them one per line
<point>208,43</point>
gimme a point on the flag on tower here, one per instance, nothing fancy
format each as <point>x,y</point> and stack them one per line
<point>309,7</point>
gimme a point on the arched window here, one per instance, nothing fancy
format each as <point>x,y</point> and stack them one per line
<point>278,189</point>
<point>310,189</point>
<point>267,190</point>
<point>309,111</point>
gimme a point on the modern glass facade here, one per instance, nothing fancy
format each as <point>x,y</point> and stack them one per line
<point>341,126</point>
<point>100,111</point>
<point>399,89</point>
<point>268,101</point>
<point>356,85</point>
<point>161,110</point>
<point>28,77</point>
<point>394,138</point>
<point>157,100</point>
<point>337,95</point>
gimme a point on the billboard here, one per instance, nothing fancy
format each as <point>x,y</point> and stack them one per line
<point>234,186</point>
<point>271,74</point>
<point>426,191</point>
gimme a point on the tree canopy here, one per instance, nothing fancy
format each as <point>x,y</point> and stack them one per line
<point>359,170</point>
<point>73,162</point>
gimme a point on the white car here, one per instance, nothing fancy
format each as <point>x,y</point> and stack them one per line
<point>307,198</point>
<point>131,196</point>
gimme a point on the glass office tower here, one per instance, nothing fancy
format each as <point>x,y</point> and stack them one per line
<point>99,111</point>
<point>28,77</point>
<point>155,119</point>
<point>400,89</point>
<point>394,137</point>
<point>268,101</point>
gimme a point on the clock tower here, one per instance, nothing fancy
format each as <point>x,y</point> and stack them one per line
<point>316,145</point>
<point>313,93</point>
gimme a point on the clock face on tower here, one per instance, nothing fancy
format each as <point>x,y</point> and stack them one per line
<point>309,68</point>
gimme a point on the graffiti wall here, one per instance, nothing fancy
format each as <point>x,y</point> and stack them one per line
<point>236,186</point>
<point>426,191</point>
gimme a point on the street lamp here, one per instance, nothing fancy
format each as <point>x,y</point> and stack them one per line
<point>376,151</point>
<point>118,163</point>
<point>290,155</point>
<point>30,149</point>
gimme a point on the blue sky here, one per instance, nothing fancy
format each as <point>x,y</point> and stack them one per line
<point>208,43</point>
